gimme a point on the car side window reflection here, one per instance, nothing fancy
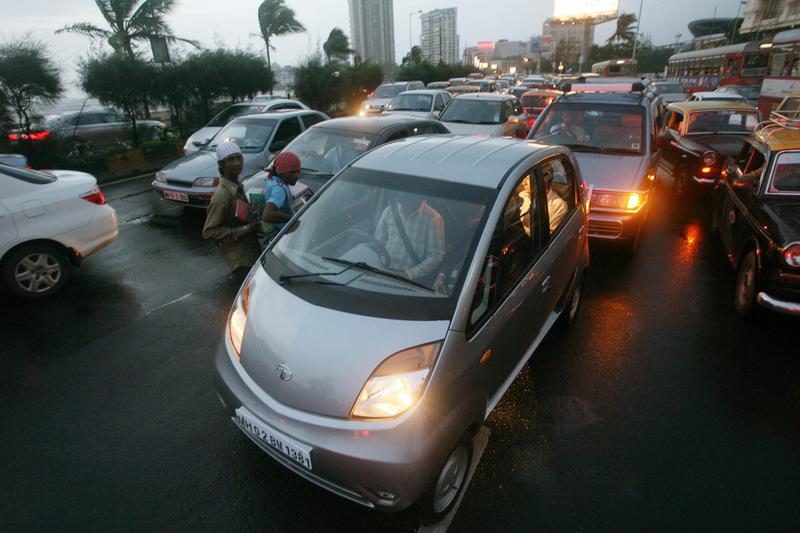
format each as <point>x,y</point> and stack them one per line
<point>515,244</point>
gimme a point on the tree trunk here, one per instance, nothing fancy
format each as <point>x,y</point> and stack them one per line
<point>269,65</point>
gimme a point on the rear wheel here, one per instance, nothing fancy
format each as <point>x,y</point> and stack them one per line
<point>36,271</point>
<point>448,484</point>
<point>573,303</point>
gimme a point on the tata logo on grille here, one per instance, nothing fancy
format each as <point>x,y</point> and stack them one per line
<point>283,373</point>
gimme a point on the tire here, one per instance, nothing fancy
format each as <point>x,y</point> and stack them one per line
<point>572,305</point>
<point>448,483</point>
<point>744,295</point>
<point>35,271</point>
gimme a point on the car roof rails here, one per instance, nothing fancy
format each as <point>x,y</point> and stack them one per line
<point>775,123</point>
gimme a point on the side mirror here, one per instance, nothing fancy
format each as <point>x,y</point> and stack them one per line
<point>204,143</point>
<point>277,146</point>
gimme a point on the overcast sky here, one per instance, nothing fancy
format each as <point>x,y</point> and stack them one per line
<point>231,22</point>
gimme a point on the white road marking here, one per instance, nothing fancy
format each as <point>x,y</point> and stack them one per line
<point>162,306</point>
<point>479,443</point>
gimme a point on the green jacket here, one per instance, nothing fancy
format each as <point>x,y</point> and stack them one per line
<point>236,240</point>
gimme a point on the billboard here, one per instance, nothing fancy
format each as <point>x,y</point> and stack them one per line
<point>567,9</point>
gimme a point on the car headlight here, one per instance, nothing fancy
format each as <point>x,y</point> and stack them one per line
<point>161,176</point>
<point>621,201</point>
<point>238,317</point>
<point>397,384</point>
<point>206,182</point>
<point>791,254</point>
<point>710,157</point>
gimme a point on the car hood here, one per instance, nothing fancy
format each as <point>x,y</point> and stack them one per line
<point>193,143</point>
<point>317,345</point>
<point>485,130</point>
<point>609,171</point>
<point>724,145</point>
<point>200,164</point>
<point>784,217</point>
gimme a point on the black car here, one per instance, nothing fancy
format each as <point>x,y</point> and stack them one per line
<point>698,137</point>
<point>757,216</point>
<point>327,147</point>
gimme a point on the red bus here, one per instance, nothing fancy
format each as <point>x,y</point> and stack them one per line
<point>705,70</point>
<point>783,73</point>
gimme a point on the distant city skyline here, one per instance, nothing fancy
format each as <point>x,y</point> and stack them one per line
<point>439,35</point>
<point>235,23</point>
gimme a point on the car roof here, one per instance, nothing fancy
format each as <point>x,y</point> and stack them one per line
<point>629,98</point>
<point>776,137</point>
<point>492,97</point>
<point>269,101</point>
<point>399,82</point>
<point>374,125</point>
<point>482,161</point>
<point>278,113</point>
<point>430,92</point>
<point>715,94</point>
<point>710,105</point>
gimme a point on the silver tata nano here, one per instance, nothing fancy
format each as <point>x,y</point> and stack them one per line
<point>388,318</point>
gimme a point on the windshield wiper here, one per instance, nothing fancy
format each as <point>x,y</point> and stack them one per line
<point>283,278</point>
<point>375,270</point>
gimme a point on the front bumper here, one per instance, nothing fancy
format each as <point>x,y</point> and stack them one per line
<point>779,306</point>
<point>381,465</point>
<point>198,196</point>
<point>615,226</point>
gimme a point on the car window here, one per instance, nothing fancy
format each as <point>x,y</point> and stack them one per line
<point>285,105</point>
<point>786,175</point>
<point>398,135</point>
<point>233,112</point>
<point>326,151</point>
<point>560,192</point>
<point>425,129</point>
<point>311,119</point>
<point>674,121</point>
<point>722,121</point>
<point>89,119</point>
<point>515,244</point>
<point>438,104</point>
<point>288,130</point>
<point>250,134</point>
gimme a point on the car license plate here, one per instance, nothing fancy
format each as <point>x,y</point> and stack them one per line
<point>296,452</point>
<point>176,196</point>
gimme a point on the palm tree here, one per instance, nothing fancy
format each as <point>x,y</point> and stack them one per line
<point>625,31</point>
<point>129,21</point>
<point>276,19</point>
<point>337,46</point>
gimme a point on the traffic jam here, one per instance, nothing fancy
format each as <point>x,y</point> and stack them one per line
<point>398,270</point>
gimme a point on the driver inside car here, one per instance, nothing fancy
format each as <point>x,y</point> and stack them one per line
<point>568,127</point>
<point>413,234</point>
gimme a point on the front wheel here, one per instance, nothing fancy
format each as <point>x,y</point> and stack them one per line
<point>448,483</point>
<point>36,271</point>
<point>744,299</point>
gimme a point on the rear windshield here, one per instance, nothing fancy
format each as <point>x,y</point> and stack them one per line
<point>411,102</point>
<point>590,127</point>
<point>668,88</point>
<point>722,121</point>
<point>233,112</point>
<point>539,100</point>
<point>24,174</point>
<point>473,112</point>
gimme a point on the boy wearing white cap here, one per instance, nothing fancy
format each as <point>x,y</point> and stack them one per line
<point>235,238</point>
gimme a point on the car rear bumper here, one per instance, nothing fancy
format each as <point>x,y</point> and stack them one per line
<point>381,465</point>
<point>198,197</point>
<point>94,236</point>
<point>779,306</point>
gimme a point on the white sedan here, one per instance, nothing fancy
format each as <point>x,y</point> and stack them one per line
<point>49,222</point>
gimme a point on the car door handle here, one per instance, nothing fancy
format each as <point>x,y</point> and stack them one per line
<point>580,231</point>
<point>546,285</point>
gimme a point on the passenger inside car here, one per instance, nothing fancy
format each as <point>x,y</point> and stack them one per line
<point>787,173</point>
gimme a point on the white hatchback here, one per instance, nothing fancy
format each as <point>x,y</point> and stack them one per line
<point>49,221</point>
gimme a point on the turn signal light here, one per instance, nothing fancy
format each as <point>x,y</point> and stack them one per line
<point>706,170</point>
<point>634,201</point>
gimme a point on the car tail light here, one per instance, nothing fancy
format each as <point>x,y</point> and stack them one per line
<point>95,196</point>
<point>38,136</point>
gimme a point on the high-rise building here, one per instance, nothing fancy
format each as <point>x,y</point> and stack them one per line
<point>766,17</point>
<point>372,29</point>
<point>439,38</point>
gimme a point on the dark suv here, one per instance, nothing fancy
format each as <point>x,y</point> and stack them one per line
<point>613,136</point>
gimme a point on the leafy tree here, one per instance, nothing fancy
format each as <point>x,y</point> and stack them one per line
<point>337,47</point>
<point>428,72</point>
<point>318,83</point>
<point>275,19</point>
<point>129,21</point>
<point>625,32</point>
<point>359,81</point>
<point>27,77</point>
<point>414,56</point>
<point>118,81</point>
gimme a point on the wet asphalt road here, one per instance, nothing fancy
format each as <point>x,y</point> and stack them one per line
<point>660,409</point>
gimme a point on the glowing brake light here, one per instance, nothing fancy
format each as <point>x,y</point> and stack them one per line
<point>38,136</point>
<point>705,170</point>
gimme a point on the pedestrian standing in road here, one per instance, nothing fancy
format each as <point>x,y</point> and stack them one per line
<point>226,219</point>
<point>278,207</point>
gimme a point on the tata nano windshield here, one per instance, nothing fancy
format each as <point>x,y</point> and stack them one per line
<point>382,244</point>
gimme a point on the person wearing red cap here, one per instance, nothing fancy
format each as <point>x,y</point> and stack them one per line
<point>285,172</point>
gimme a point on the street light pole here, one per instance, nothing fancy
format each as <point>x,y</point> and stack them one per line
<point>638,25</point>
<point>410,33</point>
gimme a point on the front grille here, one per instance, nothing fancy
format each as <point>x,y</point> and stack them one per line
<point>605,229</point>
<point>181,184</point>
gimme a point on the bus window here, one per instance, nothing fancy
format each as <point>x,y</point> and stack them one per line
<point>781,56</point>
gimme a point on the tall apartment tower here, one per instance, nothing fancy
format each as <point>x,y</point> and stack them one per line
<point>372,29</point>
<point>439,38</point>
